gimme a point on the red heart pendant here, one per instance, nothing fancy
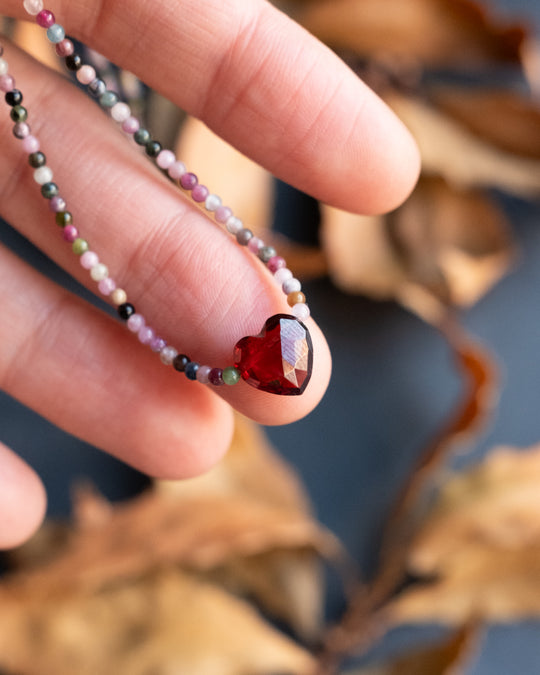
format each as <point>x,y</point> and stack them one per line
<point>280,359</point>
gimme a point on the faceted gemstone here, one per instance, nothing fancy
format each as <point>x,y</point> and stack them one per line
<point>280,359</point>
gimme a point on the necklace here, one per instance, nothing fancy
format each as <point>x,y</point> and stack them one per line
<point>279,360</point>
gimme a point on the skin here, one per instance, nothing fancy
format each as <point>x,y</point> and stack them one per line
<point>266,86</point>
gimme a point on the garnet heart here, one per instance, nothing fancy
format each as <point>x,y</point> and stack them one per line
<point>280,359</point>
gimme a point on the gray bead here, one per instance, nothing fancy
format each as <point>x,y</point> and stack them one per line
<point>244,236</point>
<point>267,252</point>
<point>97,88</point>
<point>108,99</point>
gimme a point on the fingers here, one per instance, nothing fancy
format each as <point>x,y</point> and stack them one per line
<point>262,83</point>
<point>22,500</point>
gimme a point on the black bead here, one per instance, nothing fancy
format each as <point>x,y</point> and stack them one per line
<point>153,148</point>
<point>73,62</point>
<point>180,362</point>
<point>14,97</point>
<point>142,137</point>
<point>18,114</point>
<point>64,218</point>
<point>126,310</point>
<point>37,159</point>
<point>49,190</point>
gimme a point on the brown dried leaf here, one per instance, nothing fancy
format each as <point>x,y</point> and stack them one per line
<point>166,623</point>
<point>457,33</point>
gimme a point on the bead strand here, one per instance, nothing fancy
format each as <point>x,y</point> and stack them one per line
<point>167,161</point>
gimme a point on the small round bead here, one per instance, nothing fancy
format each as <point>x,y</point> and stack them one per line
<point>45,18</point>
<point>234,225</point>
<point>3,67</point>
<point>244,236</point>
<point>167,355</point>
<point>30,144</point>
<point>199,193</point>
<point>291,286</point>
<point>120,111</point>
<point>65,48</point>
<point>231,375</point>
<point>203,374</point>
<point>142,137</point>
<point>215,377</point>
<point>21,130</point>
<point>106,286</point>
<point>64,218</point>
<point>131,125</point>
<point>97,87</point>
<point>212,202</point>
<point>188,181</point>
<point>157,344</point>
<point>73,62</point>
<point>70,233</point>
<point>191,370</point>
<point>33,7</point>
<point>43,175</point>
<point>282,275</point>
<point>180,362</point>
<point>125,310</point>
<point>99,272</point>
<point>177,170</point>
<point>7,82</point>
<point>86,74</point>
<point>153,148</point>
<point>89,260</point>
<point>146,335</point>
<point>296,298</point>
<point>13,97</point>
<point>255,244</point>
<point>36,159</point>
<point>57,204</point>
<point>49,190</point>
<point>56,33</point>
<point>80,246</point>
<point>276,263</point>
<point>108,99</point>
<point>18,113</point>
<point>135,322</point>
<point>118,296</point>
<point>222,214</point>
<point>165,159</point>
<point>300,311</point>
<point>267,253</point>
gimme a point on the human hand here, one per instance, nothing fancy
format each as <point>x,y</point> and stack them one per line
<point>266,86</point>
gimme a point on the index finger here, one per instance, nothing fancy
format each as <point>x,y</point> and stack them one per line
<point>262,83</point>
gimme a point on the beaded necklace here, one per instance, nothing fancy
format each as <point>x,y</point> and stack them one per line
<point>280,359</point>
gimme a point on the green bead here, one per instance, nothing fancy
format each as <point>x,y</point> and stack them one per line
<point>64,218</point>
<point>142,137</point>
<point>108,99</point>
<point>18,113</point>
<point>231,375</point>
<point>80,246</point>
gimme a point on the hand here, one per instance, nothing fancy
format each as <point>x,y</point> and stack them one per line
<point>266,86</point>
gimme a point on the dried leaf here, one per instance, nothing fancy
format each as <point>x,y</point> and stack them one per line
<point>457,33</point>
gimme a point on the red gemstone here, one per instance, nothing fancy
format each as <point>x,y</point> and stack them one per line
<point>280,359</point>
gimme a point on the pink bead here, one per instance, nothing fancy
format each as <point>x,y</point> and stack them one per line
<point>65,48</point>
<point>7,83</point>
<point>177,170</point>
<point>57,204</point>
<point>45,18</point>
<point>135,322</point>
<point>283,275</point>
<point>165,159</point>
<point>131,125</point>
<point>300,311</point>
<point>222,214</point>
<point>30,144</point>
<point>88,260</point>
<point>70,233</point>
<point>21,130</point>
<point>188,181</point>
<point>199,193</point>
<point>86,74</point>
<point>107,286</point>
<point>203,373</point>
<point>276,263</point>
<point>157,344</point>
<point>146,335</point>
<point>255,244</point>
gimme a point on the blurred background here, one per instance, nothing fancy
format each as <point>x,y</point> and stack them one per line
<point>433,318</point>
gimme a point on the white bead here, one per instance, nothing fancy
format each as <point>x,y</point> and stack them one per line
<point>43,175</point>
<point>234,225</point>
<point>99,272</point>
<point>33,7</point>
<point>120,112</point>
<point>212,203</point>
<point>167,355</point>
<point>291,286</point>
<point>3,67</point>
<point>300,310</point>
<point>282,275</point>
